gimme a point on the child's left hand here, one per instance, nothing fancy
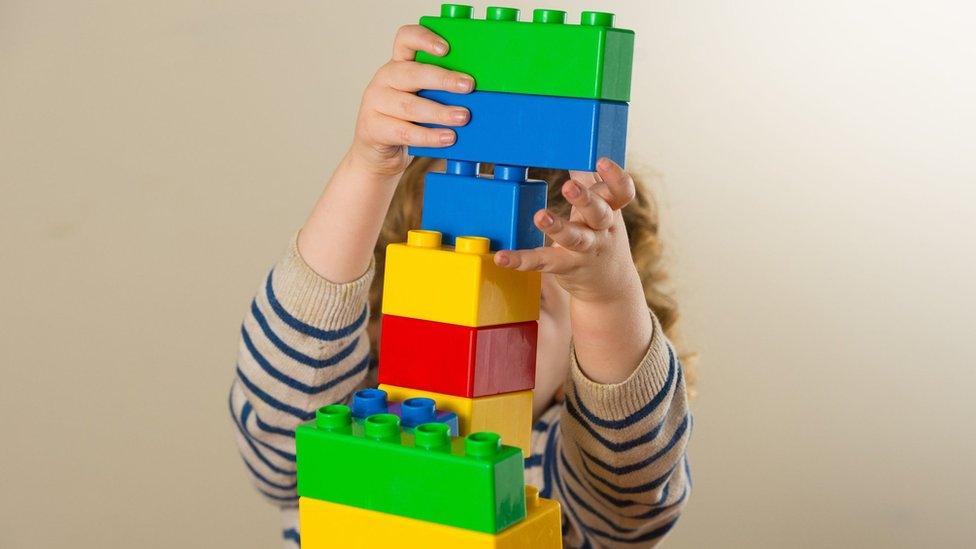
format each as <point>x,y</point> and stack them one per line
<point>590,258</point>
<point>590,255</point>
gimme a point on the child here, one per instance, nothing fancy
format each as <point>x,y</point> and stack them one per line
<point>610,406</point>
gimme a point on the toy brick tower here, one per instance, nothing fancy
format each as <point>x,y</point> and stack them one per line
<point>434,456</point>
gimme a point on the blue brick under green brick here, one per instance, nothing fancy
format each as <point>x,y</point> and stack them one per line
<point>500,208</point>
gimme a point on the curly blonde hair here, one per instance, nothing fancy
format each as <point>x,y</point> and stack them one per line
<point>640,217</point>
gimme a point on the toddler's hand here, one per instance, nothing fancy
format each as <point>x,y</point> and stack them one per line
<point>390,110</point>
<point>590,255</point>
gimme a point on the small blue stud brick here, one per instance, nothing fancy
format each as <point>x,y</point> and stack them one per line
<point>533,130</point>
<point>500,208</point>
<point>412,411</point>
<point>367,402</point>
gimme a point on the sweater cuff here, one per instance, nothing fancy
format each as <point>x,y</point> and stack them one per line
<point>618,401</point>
<point>314,300</point>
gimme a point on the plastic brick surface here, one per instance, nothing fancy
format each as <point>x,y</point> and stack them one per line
<point>457,360</point>
<point>532,130</point>
<point>589,60</point>
<point>460,285</point>
<point>328,525</point>
<point>508,414</point>
<point>497,208</point>
<point>412,412</point>
<point>474,483</point>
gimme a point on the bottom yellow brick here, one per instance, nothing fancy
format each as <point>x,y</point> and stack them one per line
<point>508,414</point>
<point>326,525</point>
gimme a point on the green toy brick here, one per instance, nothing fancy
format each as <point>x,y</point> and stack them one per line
<point>473,482</point>
<point>592,60</point>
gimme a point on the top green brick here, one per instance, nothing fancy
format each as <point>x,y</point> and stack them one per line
<point>547,56</point>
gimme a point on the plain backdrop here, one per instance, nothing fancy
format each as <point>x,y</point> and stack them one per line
<point>815,162</point>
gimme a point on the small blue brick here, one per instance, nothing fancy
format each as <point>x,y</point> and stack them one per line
<point>534,130</point>
<point>462,203</point>
<point>412,411</point>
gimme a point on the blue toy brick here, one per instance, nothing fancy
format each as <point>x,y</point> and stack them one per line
<point>534,130</point>
<point>499,208</point>
<point>412,411</point>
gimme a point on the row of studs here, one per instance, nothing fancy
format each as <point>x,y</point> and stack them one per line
<point>587,18</point>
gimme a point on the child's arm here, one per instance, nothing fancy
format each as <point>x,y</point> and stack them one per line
<point>621,464</point>
<point>338,238</point>
<point>615,455</point>
<point>302,346</point>
<point>303,342</point>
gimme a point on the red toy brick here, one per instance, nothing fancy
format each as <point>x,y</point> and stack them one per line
<point>457,360</point>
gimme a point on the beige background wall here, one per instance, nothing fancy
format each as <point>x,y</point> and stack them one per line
<point>816,164</point>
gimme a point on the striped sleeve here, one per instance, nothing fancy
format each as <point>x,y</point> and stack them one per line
<point>289,529</point>
<point>615,456</point>
<point>302,345</point>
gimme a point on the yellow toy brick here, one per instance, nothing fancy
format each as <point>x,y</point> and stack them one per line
<point>326,525</point>
<point>459,285</point>
<point>508,414</point>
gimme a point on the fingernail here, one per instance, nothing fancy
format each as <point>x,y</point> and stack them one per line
<point>603,163</point>
<point>447,138</point>
<point>440,48</point>
<point>546,220</point>
<point>501,259</point>
<point>573,191</point>
<point>465,84</point>
<point>459,115</point>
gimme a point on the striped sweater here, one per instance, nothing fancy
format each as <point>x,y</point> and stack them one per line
<point>612,455</point>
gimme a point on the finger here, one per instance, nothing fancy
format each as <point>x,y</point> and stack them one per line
<point>413,38</point>
<point>588,179</point>
<point>545,259</point>
<point>619,183</point>
<point>411,77</point>
<point>594,210</point>
<point>567,234</point>
<point>393,131</point>
<point>407,106</point>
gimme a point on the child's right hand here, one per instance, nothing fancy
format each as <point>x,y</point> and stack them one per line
<point>390,111</point>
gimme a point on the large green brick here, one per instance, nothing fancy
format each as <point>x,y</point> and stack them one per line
<point>591,60</point>
<point>472,482</point>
